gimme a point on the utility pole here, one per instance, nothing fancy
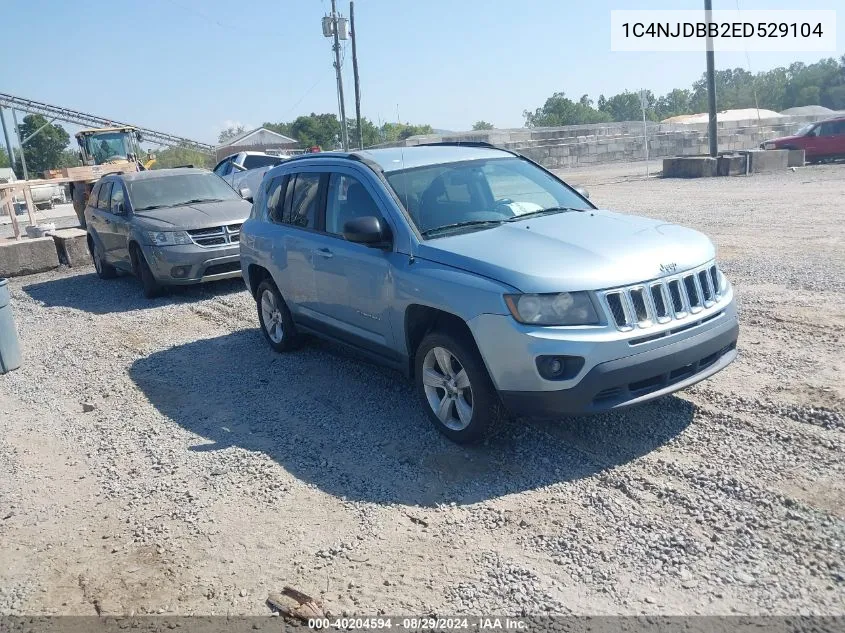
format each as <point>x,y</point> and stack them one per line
<point>20,144</point>
<point>643,105</point>
<point>331,26</point>
<point>9,151</point>
<point>711,84</point>
<point>354,36</point>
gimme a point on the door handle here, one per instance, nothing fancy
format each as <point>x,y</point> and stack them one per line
<point>324,252</point>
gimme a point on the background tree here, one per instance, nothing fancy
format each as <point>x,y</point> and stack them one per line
<point>371,133</point>
<point>4,158</point>
<point>229,133</point>
<point>176,156</point>
<point>799,84</point>
<point>482,125</point>
<point>559,110</point>
<point>44,150</point>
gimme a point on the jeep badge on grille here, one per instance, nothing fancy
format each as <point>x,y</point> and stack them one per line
<point>668,268</point>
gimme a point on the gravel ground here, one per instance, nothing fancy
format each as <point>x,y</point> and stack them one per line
<point>157,457</point>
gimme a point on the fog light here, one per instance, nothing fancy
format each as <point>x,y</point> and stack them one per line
<point>559,367</point>
<point>178,272</point>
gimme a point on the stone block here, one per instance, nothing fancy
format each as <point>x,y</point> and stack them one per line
<point>72,247</point>
<point>731,165</point>
<point>795,158</point>
<point>689,167</point>
<point>27,256</point>
<point>768,160</point>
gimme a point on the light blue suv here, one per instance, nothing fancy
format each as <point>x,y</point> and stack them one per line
<point>489,281</point>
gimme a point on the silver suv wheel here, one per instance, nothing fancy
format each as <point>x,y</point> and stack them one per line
<point>447,388</point>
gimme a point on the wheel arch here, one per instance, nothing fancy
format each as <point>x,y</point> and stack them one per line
<point>255,274</point>
<point>421,319</point>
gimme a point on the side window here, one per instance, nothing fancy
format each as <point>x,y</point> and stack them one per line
<point>116,197</point>
<point>92,197</point>
<point>347,200</point>
<point>827,129</point>
<point>276,198</point>
<point>220,170</point>
<point>302,200</point>
<point>103,198</point>
<point>839,128</point>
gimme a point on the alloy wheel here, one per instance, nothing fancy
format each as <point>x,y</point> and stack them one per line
<point>447,388</point>
<point>272,315</point>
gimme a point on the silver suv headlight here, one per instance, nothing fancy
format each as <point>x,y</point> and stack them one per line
<point>562,308</point>
<point>169,238</point>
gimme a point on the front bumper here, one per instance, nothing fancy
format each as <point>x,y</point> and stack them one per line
<point>202,264</point>
<point>636,378</point>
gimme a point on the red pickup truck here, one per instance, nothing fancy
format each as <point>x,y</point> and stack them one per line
<point>820,141</point>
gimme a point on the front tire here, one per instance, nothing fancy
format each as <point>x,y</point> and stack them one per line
<point>152,288</point>
<point>455,389</point>
<point>275,319</point>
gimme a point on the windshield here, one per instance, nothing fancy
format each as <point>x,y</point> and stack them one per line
<point>108,145</point>
<point>480,193</point>
<point>171,191</point>
<point>805,130</point>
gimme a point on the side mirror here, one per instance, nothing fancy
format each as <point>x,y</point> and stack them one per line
<point>367,230</point>
<point>583,192</point>
<point>118,209</point>
<point>246,193</point>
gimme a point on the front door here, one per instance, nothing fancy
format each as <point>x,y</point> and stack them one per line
<point>353,281</point>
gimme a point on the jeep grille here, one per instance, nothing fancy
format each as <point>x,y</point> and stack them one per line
<point>668,299</point>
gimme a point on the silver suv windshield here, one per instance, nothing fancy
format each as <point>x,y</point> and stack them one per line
<point>479,194</point>
<point>175,190</point>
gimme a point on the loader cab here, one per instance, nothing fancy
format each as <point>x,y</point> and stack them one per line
<point>108,145</point>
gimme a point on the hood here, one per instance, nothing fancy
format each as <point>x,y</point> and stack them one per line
<point>193,216</point>
<point>783,139</point>
<point>588,250</point>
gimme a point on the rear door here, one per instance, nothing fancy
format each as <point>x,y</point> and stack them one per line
<point>120,226</point>
<point>102,218</point>
<point>293,203</point>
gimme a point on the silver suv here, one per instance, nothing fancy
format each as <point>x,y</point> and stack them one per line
<point>489,281</point>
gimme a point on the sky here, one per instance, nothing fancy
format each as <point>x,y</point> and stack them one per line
<point>192,67</point>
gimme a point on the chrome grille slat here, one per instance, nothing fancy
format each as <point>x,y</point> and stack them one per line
<point>216,235</point>
<point>672,298</point>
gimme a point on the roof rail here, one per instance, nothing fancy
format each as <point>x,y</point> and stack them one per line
<point>467,144</point>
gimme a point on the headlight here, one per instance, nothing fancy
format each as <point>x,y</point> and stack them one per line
<point>565,308</point>
<point>769,146</point>
<point>169,238</point>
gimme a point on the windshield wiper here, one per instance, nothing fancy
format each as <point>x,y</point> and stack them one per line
<point>539,212</point>
<point>197,201</point>
<point>150,207</point>
<point>458,225</point>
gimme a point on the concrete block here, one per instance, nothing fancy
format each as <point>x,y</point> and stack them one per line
<point>27,256</point>
<point>795,158</point>
<point>768,160</point>
<point>689,167</point>
<point>731,165</point>
<point>72,246</point>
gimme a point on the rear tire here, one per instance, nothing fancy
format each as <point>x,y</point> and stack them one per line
<point>455,389</point>
<point>103,268</point>
<point>275,319</point>
<point>152,288</point>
